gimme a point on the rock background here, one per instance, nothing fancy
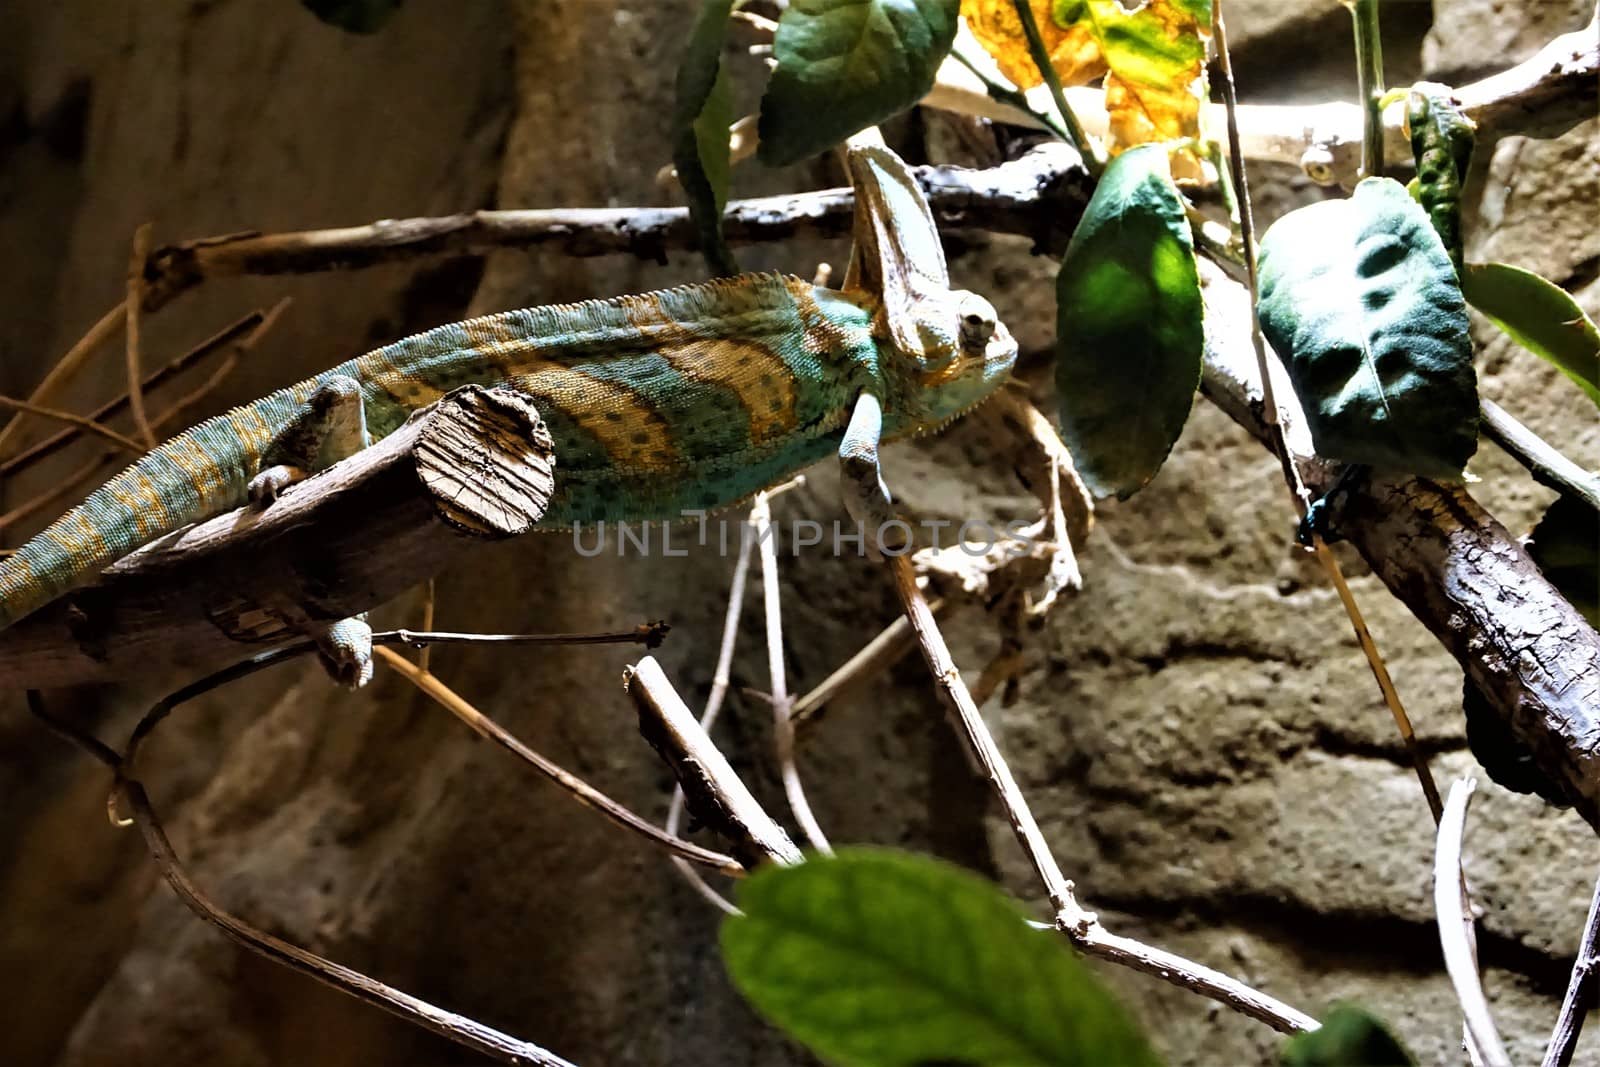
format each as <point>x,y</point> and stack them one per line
<point>1197,730</point>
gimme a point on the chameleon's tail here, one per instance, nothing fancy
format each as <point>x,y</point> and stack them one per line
<point>200,472</point>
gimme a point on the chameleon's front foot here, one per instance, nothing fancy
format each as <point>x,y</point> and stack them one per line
<point>265,487</point>
<point>345,649</point>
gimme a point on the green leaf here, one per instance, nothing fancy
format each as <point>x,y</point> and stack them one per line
<point>354,16</point>
<point>1540,316</point>
<point>1128,325</point>
<point>844,65</point>
<point>700,118</point>
<point>1361,301</point>
<point>1349,1037</point>
<point>879,959</point>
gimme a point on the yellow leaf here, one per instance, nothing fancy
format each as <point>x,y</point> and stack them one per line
<point>1073,51</point>
<point>1153,57</point>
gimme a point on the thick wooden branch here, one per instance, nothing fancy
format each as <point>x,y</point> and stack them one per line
<point>476,467</point>
<point>1459,571</point>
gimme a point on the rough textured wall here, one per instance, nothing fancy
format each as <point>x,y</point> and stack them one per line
<point>1199,735</point>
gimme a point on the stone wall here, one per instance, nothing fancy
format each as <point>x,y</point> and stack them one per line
<point>1198,733</point>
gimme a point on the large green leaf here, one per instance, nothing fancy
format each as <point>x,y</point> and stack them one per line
<point>1361,301</point>
<point>700,119</point>
<point>1540,316</point>
<point>880,959</point>
<point>1349,1037</point>
<point>1129,340</point>
<point>844,65</point>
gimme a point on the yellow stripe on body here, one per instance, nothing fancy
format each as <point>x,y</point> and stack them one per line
<point>753,372</point>
<point>633,434</point>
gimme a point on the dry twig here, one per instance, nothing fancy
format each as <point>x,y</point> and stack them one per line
<point>581,791</point>
<point>1456,934</point>
<point>134,304</point>
<point>782,727</point>
<point>1580,995</point>
<point>1081,926</point>
<point>66,368</point>
<point>127,444</point>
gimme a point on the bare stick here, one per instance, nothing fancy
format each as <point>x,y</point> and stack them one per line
<point>134,304</point>
<point>1580,996</point>
<point>581,791</point>
<point>1455,926</point>
<point>129,794</point>
<point>423,655</point>
<point>1549,467</point>
<point>127,444</point>
<point>720,680</point>
<point>67,367</point>
<point>457,1028</point>
<point>234,335</point>
<point>1368,56</point>
<point>876,656</point>
<point>782,728</point>
<point>715,794</point>
<point>1081,926</point>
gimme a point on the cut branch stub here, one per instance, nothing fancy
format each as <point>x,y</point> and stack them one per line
<point>490,466</point>
<point>478,465</point>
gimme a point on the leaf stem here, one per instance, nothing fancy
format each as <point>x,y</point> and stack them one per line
<point>1041,59</point>
<point>1369,83</point>
<point>1005,94</point>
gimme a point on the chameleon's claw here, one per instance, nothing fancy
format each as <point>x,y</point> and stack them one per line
<point>1322,515</point>
<point>265,487</point>
<point>345,648</point>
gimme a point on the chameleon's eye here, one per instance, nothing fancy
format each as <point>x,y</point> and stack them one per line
<point>978,324</point>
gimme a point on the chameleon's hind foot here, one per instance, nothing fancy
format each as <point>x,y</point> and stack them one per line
<point>265,487</point>
<point>345,648</point>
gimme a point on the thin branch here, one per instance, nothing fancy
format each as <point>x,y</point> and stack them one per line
<point>1081,926</point>
<point>67,367</point>
<point>457,1028</point>
<point>1549,467</point>
<point>425,654</point>
<point>239,336</point>
<point>886,649</point>
<point>581,791</point>
<point>135,308</point>
<point>1010,95</point>
<point>721,678</point>
<point>127,444</point>
<point>1580,995</point>
<point>1270,413</point>
<point>715,794</point>
<point>782,728</point>
<point>1455,926</point>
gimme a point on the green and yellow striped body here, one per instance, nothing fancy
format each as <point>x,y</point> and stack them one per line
<point>661,403</point>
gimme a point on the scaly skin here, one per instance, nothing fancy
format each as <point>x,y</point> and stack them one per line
<point>689,398</point>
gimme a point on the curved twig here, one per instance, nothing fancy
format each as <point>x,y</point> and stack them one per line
<point>1455,926</point>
